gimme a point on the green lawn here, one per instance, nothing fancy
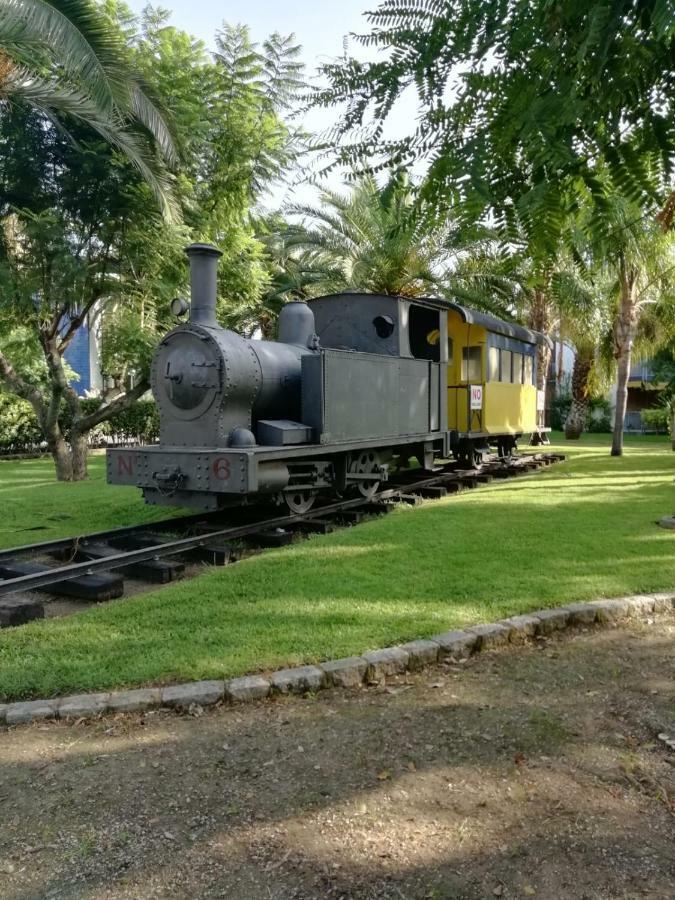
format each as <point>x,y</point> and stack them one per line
<point>37,508</point>
<point>579,530</point>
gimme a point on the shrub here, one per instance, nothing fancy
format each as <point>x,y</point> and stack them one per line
<point>656,419</point>
<point>560,407</point>
<point>598,418</point>
<point>19,431</point>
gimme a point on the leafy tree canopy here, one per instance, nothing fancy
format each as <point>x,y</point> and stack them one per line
<point>82,239</point>
<point>520,101</point>
<point>68,60</point>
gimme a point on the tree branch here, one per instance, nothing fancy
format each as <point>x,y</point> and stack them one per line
<point>75,323</point>
<point>124,401</point>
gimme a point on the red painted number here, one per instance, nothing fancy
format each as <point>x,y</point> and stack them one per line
<point>221,468</point>
<point>125,465</point>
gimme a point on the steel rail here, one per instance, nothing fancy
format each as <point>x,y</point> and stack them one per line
<point>45,547</point>
<point>181,545</point>
<point>169,548</point>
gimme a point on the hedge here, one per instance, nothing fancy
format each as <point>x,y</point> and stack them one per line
<point>19,431</point>
<point>657,419</point>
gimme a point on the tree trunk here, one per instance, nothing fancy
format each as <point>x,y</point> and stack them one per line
<point>575,423</point>
<point>78,454</point>
<point>576,417</point>
<point>70,457</point>
<point>625,326</point>
<point>63,463</point>
<point>540,318</point>
<point>623,372</point>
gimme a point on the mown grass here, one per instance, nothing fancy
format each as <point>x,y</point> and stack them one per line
<point>37,508</point>
<point>582,529</point>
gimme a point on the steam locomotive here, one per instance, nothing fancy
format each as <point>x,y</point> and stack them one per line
<point>353,385</point>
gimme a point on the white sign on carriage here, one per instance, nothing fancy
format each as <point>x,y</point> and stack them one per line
<point>476,393</point>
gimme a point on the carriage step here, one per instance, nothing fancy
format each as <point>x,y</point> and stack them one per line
<point>95,588</point>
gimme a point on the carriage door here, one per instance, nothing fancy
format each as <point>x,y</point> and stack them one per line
<point>472,374</point>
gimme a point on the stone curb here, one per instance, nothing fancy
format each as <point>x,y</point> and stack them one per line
<point>352,672</point>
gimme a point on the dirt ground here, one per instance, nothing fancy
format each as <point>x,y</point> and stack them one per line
<point>532,772</point>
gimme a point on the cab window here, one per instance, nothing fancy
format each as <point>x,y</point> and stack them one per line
<point>517,368</point>
<point>528,370</point>
<point>424,328</point>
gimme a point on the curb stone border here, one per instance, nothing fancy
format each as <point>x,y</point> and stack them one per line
<point>351,672</point>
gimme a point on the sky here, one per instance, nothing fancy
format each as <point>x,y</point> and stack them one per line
<point>320,27</point>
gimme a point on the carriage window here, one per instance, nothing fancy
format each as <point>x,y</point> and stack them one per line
<point>517,368</point>
<point>424,328</point>
<point>528,370</point>
<point>471,364</point>
<point>493,364</point>
<point>505,368</point>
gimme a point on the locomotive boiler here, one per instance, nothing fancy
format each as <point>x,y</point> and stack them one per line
<point>354,384</point>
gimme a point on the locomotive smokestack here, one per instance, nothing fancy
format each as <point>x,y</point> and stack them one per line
<point>203,282</point>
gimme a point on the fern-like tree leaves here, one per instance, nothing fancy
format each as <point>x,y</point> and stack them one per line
<point>518,102</point>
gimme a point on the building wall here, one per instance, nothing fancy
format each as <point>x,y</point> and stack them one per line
<point>83,356</point>
<point>77,357</point>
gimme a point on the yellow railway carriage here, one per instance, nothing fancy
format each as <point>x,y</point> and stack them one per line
<point>492,382</point>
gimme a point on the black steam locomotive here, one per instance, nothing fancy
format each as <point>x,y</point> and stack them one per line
<point>352,385</point>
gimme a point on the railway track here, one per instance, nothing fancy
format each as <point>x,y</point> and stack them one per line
<point>93,567</point>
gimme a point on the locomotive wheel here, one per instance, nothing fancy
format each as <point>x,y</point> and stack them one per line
<point>363,464</point>
<point>299,502</point>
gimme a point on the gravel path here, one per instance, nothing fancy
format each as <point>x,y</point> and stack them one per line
<point>532,772</point>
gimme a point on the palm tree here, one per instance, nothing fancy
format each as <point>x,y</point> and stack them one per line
<point>68,60</point>
<point>640,258</point>
<point>374,239</point>
<point>581,298</point>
